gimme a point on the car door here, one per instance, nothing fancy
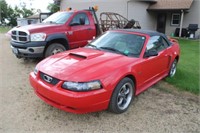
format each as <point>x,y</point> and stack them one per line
<point>154,67</point>
<point>80,32</point>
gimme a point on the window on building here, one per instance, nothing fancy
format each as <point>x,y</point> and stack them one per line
<point>175,19</point>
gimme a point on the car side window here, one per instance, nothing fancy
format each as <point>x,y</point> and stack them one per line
<point>166,44</point>
<point>155,43</point>
<point>76,19</point>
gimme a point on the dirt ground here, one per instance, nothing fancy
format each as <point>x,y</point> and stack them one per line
<point>160,109</point>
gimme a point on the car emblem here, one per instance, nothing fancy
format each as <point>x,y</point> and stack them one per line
<point>47,78</point>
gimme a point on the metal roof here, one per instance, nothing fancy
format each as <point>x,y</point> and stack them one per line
<point>36,16</point>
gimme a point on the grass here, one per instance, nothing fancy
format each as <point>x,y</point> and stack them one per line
<point>187,76</point>
<point>4,29</point>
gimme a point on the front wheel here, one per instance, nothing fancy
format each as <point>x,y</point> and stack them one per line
<point>172,70</point>
<point>54,48</point>
<point>122,96</point>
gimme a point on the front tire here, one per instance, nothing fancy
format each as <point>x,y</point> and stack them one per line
<point>122,96</point>
<point>54,48</point>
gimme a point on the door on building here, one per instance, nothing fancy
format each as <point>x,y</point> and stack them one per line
<point>161,22</point>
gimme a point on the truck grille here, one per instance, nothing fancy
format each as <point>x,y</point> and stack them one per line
<point>20,36</point>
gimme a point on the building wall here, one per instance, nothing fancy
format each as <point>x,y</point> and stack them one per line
<point>130,9</point>
<point>137,10</point>
<point>118,6</point>
<point>192,17</point>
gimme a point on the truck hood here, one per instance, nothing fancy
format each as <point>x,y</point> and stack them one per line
<point>41,27</point>
<point>83,64</point>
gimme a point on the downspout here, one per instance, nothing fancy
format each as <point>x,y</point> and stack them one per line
<point>181,24</point>
<point>127,8</point>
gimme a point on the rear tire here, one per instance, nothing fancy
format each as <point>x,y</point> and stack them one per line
<point>54,48</point>
<point>172,70</point>
<point>122,96</point>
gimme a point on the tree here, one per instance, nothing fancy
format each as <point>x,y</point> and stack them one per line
<point>52,7</point>
<point>11,14</point>
<point>26,12</point>
<point>3,11</point>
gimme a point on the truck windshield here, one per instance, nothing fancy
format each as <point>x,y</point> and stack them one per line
<point>58,18</point>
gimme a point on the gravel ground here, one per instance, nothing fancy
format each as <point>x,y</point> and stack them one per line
<point>160,109</point>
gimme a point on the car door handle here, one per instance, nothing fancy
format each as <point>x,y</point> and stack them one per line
<point>89,28</point>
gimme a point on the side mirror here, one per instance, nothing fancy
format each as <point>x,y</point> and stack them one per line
<point>82,21</point>
<point>150,53</point>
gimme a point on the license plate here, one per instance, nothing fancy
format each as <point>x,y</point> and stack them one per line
<point>15,50</point>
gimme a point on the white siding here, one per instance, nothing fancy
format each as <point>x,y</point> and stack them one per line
<point>137,11</point>
<point>118,6</point>
<point>193,17</point>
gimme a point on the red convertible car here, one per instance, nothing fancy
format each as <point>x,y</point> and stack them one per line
<point>107,73</point>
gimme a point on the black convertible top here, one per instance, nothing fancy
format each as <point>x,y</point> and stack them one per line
<point>148,32</point>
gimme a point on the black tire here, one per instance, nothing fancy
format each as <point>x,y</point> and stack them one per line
<point>122,96</point>
<point>172,70</point>
<point>54,48</point>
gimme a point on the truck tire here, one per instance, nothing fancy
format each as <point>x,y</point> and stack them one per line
<point>54,48</point>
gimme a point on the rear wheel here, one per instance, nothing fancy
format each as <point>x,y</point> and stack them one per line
<point>122,96</point>
<point>54,48</point>
<point>172,70</point>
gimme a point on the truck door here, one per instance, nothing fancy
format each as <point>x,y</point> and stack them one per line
<point>81,30</point>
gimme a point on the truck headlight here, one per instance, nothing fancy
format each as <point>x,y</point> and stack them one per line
<point>82,86</point>
<point>38,37</point>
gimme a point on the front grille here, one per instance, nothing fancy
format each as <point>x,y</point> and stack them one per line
<point>19,36</point>
<point>14,32</point>
<point>53,80</point>
<point>22,33</point>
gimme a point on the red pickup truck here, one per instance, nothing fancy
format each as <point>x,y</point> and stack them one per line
<point>61,31</point>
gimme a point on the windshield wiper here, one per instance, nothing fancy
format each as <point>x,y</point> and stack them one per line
<point>114,50</point>
<point>51,22</point>
<point>93,46</point>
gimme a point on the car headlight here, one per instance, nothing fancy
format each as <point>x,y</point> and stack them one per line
<point>82,86</point>
<point>35,71</point>
<point>38,37</point>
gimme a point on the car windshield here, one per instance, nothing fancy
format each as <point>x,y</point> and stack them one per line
<point>58,18</point>
<point>121,43</point>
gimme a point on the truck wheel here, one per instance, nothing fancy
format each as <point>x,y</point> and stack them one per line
<point>54,48</point>
<point>122,96</point>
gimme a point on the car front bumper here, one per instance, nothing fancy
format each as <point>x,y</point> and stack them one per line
<point>69,101</point>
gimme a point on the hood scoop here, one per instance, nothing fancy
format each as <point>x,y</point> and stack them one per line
<point>77,55</point>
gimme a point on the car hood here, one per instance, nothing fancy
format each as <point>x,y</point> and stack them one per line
<point>41,27</point>
<point>83,64</point>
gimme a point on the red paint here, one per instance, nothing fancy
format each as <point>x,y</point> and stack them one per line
<point>92,64</point>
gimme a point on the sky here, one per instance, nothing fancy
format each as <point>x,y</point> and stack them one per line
<point>36,4</point>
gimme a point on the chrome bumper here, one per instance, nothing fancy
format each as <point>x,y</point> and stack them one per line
<point>28,50</point>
